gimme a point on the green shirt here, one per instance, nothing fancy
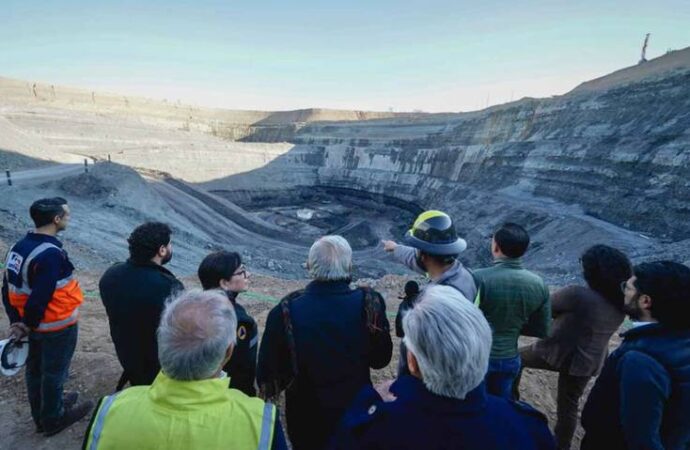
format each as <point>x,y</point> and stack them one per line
<point>514,301</point>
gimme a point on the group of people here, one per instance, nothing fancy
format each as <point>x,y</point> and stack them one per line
<point>200,378</point>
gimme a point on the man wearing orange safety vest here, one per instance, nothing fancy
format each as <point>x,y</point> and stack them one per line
<point>42,300</point>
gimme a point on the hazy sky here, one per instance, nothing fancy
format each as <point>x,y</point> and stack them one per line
<point>430,55</point>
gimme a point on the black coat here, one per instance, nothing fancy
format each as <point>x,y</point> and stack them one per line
<point>242,365</point>
<point>334,354</point>
<point>134,296</point>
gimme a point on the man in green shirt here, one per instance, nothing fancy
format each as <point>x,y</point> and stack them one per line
<point>514,301</point>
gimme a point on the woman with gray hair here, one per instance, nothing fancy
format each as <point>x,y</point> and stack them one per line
<point>189,404</point>
<point>443,404</point>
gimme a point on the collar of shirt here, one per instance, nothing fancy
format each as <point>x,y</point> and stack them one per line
<point>43,238</point>
<point>512,263</point>
<point>328,287</point>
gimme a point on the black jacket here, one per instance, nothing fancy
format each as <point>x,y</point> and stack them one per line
<point>134,296</point>
<point>242,365</point>
<point>335,351</point>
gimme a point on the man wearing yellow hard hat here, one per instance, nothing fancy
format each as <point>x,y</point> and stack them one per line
<point>432,248</point>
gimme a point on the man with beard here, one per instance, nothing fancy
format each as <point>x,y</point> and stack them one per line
<point>134,294</point>
<point>641,400</point>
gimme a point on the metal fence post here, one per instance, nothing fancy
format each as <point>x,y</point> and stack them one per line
<point>86,165</point>
<point>9,178</point>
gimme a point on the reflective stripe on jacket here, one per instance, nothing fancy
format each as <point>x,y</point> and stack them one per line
<point>185,415</point>
<point>62,309</point>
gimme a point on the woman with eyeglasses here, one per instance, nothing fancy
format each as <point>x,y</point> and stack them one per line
<point>584,319</point>
<point>224,271</point>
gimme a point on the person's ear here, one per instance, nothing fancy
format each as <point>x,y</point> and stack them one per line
<point>224,284</point>
<point>412,365</point>
<point>228,355</point>
<point>162,250</point>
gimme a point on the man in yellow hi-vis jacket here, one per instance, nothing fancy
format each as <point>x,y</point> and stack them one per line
<point>189,404</point>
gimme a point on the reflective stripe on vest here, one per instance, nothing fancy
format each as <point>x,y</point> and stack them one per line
<point>100,419</point>
<point>266,428</point>
<point>27,262</point>
<point>54,326</point>
<point>26,290</point>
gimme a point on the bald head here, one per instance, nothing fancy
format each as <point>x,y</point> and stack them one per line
<point>195,331</point>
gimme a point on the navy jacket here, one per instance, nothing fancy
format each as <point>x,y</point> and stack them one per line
<point>334,354</point>
<point>44,271</point>
<point>134,296</point>
<point>420,419</point>
<point>641,400</point>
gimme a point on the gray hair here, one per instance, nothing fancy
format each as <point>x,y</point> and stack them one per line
<point>196,329</point>
<point>330,259</point>
<point>451,340</point>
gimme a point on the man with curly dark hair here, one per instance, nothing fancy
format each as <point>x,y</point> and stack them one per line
<point>134,294</point>
<point>585,317</point>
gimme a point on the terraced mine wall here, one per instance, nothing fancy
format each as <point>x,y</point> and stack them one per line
<point>622,155</point>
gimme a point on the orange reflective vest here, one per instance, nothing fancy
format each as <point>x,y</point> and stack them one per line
<point>23,262</point>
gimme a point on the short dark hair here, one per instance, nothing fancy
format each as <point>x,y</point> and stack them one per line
<point>604,269</point>
<point>43,211</point>
<point>668,285</point>
<point>512,239</point>
<point>218,266</point>
<point>146,239</point>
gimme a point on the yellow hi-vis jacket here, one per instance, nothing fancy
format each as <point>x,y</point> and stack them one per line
<point>182,415</point>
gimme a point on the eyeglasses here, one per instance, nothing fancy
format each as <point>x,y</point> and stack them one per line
<point>242,271</point>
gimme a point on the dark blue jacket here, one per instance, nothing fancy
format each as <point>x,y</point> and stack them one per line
<point>641,400</point>
<point>44,271</point>
<point>334,354</point>
<point>420,419</point>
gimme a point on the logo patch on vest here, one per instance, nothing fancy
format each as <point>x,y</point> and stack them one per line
<point>14,262</point>
<point>242,333</point>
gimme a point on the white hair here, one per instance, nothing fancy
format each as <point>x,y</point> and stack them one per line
<point>451,340</point>
<point>195,331</point>
<point>330,259</point>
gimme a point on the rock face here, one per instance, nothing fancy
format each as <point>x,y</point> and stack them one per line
<point>605,163</point>
<point>619,148</point>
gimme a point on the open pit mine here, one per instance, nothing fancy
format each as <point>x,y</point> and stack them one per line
<point>607,162</point>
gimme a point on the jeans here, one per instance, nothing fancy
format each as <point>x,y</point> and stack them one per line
<point>47,367</point>
<point>570,389</point>
<point>501,376</point>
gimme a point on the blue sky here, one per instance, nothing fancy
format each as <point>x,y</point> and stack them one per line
<point>375,55</point>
